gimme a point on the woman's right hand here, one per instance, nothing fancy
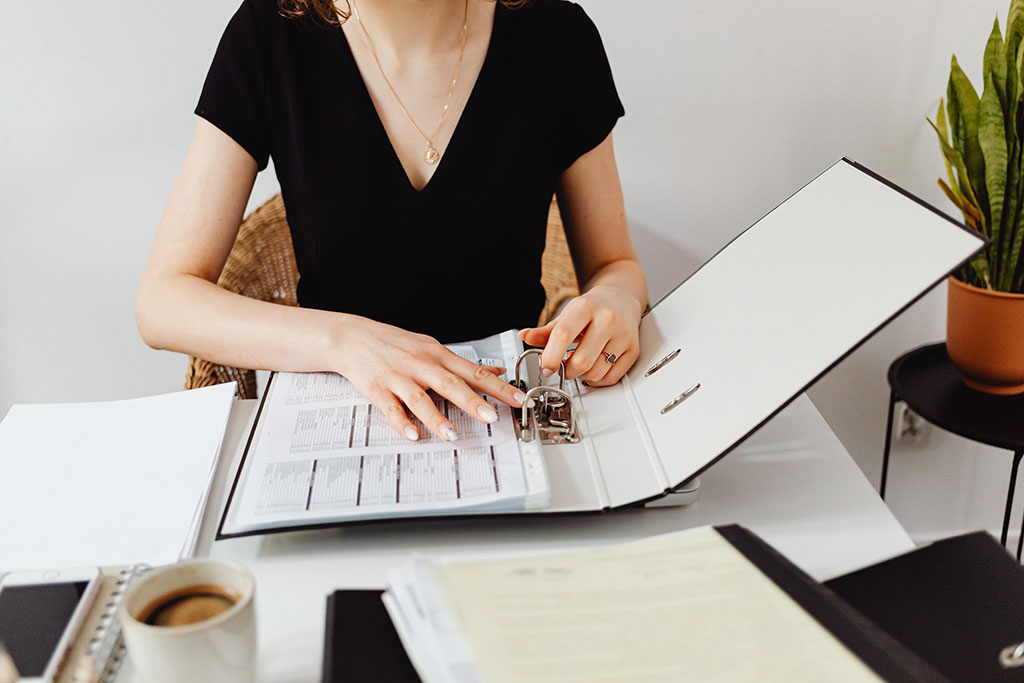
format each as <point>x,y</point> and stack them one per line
<point>395,369</point>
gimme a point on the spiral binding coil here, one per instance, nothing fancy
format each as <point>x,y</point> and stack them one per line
<point>105,651</point>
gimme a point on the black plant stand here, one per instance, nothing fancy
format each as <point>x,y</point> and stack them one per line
<point>928,382</point>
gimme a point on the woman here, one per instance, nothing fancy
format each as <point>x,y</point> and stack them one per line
<point>418,144</point>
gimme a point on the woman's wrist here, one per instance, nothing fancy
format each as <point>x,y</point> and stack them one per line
<point>620,292</point>
<point>337,342</point>
<point>622,279</point>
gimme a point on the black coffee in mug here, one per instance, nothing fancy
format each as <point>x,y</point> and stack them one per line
<point>189,605</point>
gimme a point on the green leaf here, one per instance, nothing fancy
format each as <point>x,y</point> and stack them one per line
<point>943,131</point>
<point>992,134</point>
<point>954,158</point>
<point>969,103</point>
<point>1011,260</point>
<point>979,265</point>
<point>996,63</point>
<point>951,194</point>
<point>1014,27</point>
<point>956,126</point>
<point>972,217</point>
<point>1014,188</point>
<point>1007,249</point>
<point>1014,36</point>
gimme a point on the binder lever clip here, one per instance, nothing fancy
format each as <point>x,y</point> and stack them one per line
<point>551,418</point>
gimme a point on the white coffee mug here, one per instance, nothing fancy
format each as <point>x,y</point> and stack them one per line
<point>220,649</point>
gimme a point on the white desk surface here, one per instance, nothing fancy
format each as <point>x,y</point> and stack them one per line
<point>792,482</point>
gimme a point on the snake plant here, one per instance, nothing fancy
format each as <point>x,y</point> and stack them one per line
<point>982,141</point>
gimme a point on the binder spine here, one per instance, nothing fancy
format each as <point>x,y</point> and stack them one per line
<point>645,433</point>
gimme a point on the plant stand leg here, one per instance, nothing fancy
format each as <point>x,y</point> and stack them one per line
<point>888,444</point>
<point>1016,461</point>
<point>1009,499</point>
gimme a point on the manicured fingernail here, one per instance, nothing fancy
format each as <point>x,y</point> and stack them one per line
<point>487,413</point>
<point>531,404</point>
<point>519,397</point>
<point>547,373</point>
<point>449,433</point>
<point>411,433</point>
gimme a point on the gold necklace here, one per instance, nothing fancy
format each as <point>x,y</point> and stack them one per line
<point>430,155</point>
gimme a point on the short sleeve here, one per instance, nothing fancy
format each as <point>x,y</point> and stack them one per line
<point>592,104</point>
<point>234,93</point>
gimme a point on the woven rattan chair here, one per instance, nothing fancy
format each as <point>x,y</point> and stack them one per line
<point>261,266</point>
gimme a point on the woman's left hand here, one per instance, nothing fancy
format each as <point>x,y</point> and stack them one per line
<point>605,321</point>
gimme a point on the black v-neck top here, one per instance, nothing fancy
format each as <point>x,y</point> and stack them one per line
<point>460,259</point>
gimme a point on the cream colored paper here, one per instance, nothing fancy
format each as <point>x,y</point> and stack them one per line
<point>684,606</point>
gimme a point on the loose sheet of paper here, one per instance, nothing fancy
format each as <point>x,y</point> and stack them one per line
<point>111,483</point>
<point>323,452</point>
<point>684,606</point>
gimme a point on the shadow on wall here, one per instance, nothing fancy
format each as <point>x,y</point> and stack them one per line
<point>665,263</point>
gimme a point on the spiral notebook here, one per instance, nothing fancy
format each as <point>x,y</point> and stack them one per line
<point>98,652</point>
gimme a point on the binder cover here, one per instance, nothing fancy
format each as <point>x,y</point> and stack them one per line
<point>744,335</point>
<point>957,603</point>
<point>361,643</point>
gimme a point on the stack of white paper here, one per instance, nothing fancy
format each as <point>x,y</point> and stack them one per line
<point>108,483</point>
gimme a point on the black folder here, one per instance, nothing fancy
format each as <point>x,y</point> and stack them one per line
<point>361,644</point>
<point>958,603</point>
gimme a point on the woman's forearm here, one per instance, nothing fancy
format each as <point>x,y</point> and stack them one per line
<point>393,368</point>
<point>189,314</point>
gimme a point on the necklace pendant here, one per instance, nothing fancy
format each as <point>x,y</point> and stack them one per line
<point>431,155</point>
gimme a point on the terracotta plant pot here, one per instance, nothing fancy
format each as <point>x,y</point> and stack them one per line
<point>985,337</point>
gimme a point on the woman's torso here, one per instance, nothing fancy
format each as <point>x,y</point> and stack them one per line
<point>459,259</point>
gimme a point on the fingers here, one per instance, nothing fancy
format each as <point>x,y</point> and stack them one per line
<point>388,404</point>
<point>422,406</point>
<point>483,379</point>
<point>566,328</point>
<point>455,389</point>
<point>588,360</point>
<point>623,362</point>
<point>537,336</point>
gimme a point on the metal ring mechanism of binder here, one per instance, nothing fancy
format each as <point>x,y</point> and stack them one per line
<point>551,419</point>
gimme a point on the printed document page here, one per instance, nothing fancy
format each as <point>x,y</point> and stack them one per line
<point>323,452</point>
<point>683,606</point>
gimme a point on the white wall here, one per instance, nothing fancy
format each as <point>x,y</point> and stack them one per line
<point>730,107</point>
